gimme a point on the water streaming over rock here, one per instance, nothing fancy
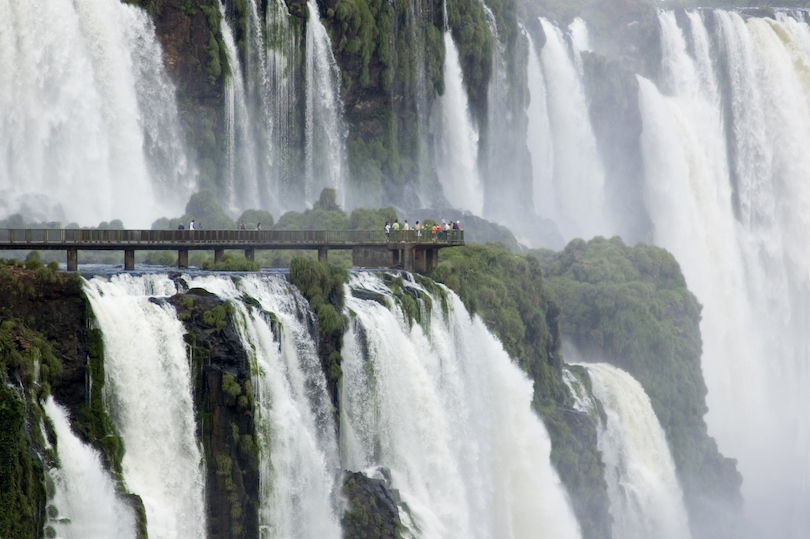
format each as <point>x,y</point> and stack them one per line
<point>645,497</point>
<point>445,409</point>
<point>324,130</point>
<point>88,120</point>
<point>727,192</point>
<point>148,392</point>
<point>241,179</point>
<point>456,138</point>
<point>578,175</point>
<point>84,504</point>
<point>295,418</point>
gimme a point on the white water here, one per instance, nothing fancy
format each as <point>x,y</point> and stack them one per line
<point>282,44</point>
<point>645,497</point>
<point>449,413</point>
<point>88,122</point>
<point>578,207</point>
<point>749,268</point>
<point>539,138</point>
<point>295,428</point>
<point>148,392</point>
<point>456,138</point>
<point>324,131</point>
<point>84,493</point>
<point>241,185</point>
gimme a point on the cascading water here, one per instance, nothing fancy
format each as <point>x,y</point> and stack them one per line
<point>295,426</point>
<point>324,131</point>
<point>282,43</point>
<point>85,504</point>
<point>539,137</point>
<point>455,138</point>
<point>645,497</point>
<point>88,121</point>
<point>242,182</point>
<point>148,391</point>
<point>443,406</point>
<point>579,177</point>
<point>732,206</point>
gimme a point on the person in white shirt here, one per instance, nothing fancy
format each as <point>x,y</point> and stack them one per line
<point>191,225</point>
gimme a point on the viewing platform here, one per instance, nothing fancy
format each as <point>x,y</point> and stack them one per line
<point>405,249</point>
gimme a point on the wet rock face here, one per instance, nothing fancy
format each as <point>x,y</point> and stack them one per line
<point>223,398</point>
<point>372,506</point>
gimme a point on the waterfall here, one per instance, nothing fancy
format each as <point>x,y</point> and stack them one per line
<point>539,137</point>
<point>84,503</point>
<point>442,405</point>
<point>728,197</point>
<point>578,177</point>
<point>456,138</point>
<point>324,131</point>
<point>295,426</point>
<point>88,121</point>
<point>148,392</point>
<point>241,182</point>
<point>282,43</point>
<point>645,497</point>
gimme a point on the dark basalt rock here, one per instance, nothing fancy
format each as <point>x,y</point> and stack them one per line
<point>372,512</point>
<point>223,398</point>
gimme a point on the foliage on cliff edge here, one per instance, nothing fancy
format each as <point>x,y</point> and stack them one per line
<point>508,292</point>
<point>630,307</point>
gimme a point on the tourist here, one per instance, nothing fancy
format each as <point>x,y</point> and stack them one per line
<point>405,226</point>
<point>258,226</point>
<point>387,230</point>
<point>181,227</point>
<point>395,225</point>
<point>191,225</point>
<point>242,225</point>
<point>418,229</point>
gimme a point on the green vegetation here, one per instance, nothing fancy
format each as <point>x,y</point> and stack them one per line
<point>508,292</point>
<point>471,33</point>
<point>323,286</point>
<point>217,318</point>
<point>231,262</point>
<point>251,218</point>
<point>631,307</point>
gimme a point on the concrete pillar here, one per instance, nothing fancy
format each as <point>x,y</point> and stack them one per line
<point>182,258</point>
<point>407,262</point>
<point>218,255</point>
<point>72,259</point>
<point>129,259</point>
<point>431,260</point>
<point>418,256</point>
<point>250,254</point>
<point>322,254</point>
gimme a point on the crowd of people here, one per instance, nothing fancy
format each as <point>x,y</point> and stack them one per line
<point>446,226</point>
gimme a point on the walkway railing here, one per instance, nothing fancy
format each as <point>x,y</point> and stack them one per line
<point>51,237</point>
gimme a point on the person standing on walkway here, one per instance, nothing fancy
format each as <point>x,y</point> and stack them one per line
<point>191,225</point>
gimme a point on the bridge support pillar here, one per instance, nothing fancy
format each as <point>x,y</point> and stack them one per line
<point>72,259</point>
<point>218,255</point>
<point>250,254</point>
<point>322,254</point>
<point>182,258</point>
<point>129,259</point>
<point>408,259</point>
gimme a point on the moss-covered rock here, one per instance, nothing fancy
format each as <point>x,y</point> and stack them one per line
<point>631,307</point>
<point>224,402</point>
<point>322,285</point>
<point>507,290</point>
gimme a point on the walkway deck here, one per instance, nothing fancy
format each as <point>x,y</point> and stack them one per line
<point>370,248</point>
